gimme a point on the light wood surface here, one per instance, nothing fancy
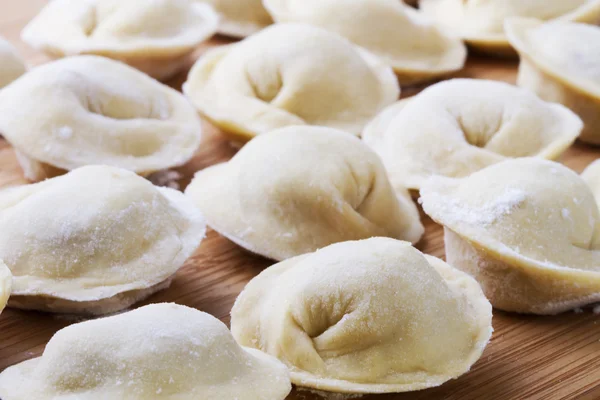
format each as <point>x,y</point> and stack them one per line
<point>529,357</point>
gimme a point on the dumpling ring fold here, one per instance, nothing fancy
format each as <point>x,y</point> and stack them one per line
<point>369,316</point>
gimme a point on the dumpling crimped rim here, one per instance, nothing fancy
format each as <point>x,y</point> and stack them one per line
<point>480,239</point>
<point>452,58</point>
<point>229,215</point>
<point>516,30</point>
<point>174,152</point>
<point>243,129</point>
<point>375,132</point>
<point>32,291</point>
<point>460,283</point>
<point>22,372</point>
<point>248,366</point>
<point>34,34</point>
<point>501,44</point>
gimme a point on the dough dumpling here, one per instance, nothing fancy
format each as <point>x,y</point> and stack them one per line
<point>457,127</point>
<point>481,22</point>
<point>91,110</point>
<point>95,240</point>
<point>370,316</point>
<point>5,284</point>
<point>401,36</point>
<point>290,74</point>
<point>294,190</point>
<point>527,229</point>
<point>240,18</point>
<point>161,351</point>
<point>591,175</point>
<point>560,62</point>
<point>155,36</point>
<point>11,64</point>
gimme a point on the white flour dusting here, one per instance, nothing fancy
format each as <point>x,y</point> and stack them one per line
<point>482,214</point>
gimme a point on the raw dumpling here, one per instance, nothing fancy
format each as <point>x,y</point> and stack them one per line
<point>416,49</point>
<point>561,62</point>
<point>161,351</point>
<point>294,190</point>
<point>155,36</point>
<point>481,22</point>
<point>290,74</point>
<point>11,65</point>
<point>95,240</point>
<point>5,284</point>
<point>591,175</point>
<point>91,110</point>
<point>371,316</point>
<point>240,18</point>
<point>457,127</point>
<point>527,229</point>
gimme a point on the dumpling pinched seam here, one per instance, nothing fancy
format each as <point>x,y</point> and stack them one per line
<point>526,229</point>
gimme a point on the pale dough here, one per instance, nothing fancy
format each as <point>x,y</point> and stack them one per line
<point>95,240</point>
<point>370,316</point>
<point>86,110</point>
<point>297,189</point>
<point>11,64</point>
<point>155,36</point>
<point>401,36</point>
<point>560,62</point>
<point>161,351</point>
<point>240,18</point>
<point>527,229</point>
<point>290,74</point>
<point>481,22</point>
<point>5,284</point>
<point>459,126</point>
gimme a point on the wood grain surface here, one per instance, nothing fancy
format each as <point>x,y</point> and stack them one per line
<point>529,357</point>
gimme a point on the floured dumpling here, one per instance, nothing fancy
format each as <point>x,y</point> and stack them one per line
<point>294,190</point>
<point>481,22</point>
<point>5,284</point>
<point>457,127</point>
<point>91,110</point>
<point>290,74</point>
<point>11,65</point>
<point>370,316</point>
<point>401,36</point>
<point>240,18</point>
<point>561,62</point>
<point>155,36</point>
<point>161,351</point>
<point>95,240</point>
<point>591,175</point>
<point>528,230</point>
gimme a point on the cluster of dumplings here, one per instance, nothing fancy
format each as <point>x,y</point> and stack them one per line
<point>324,184</point>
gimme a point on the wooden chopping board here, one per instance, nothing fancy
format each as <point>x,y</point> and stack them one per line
<point>530,357</point>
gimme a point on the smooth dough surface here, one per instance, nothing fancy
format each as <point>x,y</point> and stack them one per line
<point>5,284</point>
<point>240,18</point>
<point>457,127</point>
<point>401,36</point>
<point>591,175</point>
<point>294,190</point>
<point>11,64</point>
<point>161,351</point>
<point>369,316</point>
<point>155,36</point>
<point>93,110</point>
<point>527,229</point>
<point>290,74</point>
<point>481,22</point>
<point>90,240</point>
<point>560,61</point>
